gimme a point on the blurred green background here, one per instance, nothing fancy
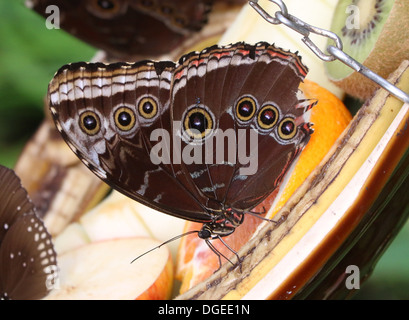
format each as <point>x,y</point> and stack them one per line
<point>29,56</point>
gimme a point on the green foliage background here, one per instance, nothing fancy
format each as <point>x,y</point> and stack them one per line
<point>29,56</point>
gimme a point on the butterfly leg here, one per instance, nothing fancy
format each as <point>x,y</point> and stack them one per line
<point>218,253</point>
<point>217,231</point>
<point>239,260</point>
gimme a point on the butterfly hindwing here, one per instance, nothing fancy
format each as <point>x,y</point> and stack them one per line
<point>272,85</point>
<point>216,83</point>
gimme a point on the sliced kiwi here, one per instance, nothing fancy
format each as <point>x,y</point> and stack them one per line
<point>375,33</point>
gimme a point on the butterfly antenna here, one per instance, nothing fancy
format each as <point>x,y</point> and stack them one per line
<point>166,242</point>
<point>232,250</point>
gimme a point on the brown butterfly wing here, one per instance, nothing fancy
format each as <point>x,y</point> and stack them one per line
<point>203,89</point>
<point>273,82</point>
<point>28,267</point>
<point>13,202</point>
<point>125,28</point>
<point>215,80</point>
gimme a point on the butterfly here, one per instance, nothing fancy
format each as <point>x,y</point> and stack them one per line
<point>28,261</point>
<point>125,28</point>
<point>205,139</point>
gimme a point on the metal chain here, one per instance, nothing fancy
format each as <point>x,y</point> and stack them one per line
<point>282,16</point>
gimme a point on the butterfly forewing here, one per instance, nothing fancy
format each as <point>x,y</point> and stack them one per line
<point>118,151</point>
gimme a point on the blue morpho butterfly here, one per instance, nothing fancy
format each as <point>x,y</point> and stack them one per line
<point>28,262</point>
<point>115,118</point>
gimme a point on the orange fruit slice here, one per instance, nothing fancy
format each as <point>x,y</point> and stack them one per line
<point>195,261</point>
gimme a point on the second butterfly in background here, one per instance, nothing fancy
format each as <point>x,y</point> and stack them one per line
<point>28,262</point>
<point>127,29</point>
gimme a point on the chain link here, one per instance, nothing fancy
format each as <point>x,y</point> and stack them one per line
<point>282,16</point>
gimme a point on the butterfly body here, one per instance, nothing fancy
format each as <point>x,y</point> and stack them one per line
<point>205,139</point>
